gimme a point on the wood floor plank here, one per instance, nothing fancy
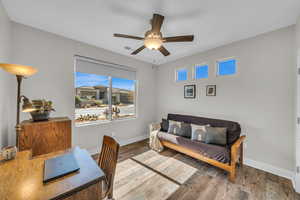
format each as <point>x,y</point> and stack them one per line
<point>171,167</point>
<point>155,187</point>
<point>170,175</point>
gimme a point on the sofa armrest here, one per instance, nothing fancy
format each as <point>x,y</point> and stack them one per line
<point>154,127</point>
<point>235,147</point>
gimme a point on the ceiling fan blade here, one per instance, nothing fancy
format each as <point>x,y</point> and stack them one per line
<point>183,38</point>
<point>128,36</point>
<point>164,51</point>
<point>156,22</point>
<point>138,50</point>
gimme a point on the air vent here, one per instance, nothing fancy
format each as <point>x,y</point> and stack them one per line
<point>127,48</point>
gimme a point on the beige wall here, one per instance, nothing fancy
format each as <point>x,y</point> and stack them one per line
<point>261,97</point>
<point>6,80</point>
<point>298,33</point>
<point>53,55</point>
<point>297,137</point>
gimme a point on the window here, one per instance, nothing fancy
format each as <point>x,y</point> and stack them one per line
<point>181,75</point>
<point>104,92</point>
<point>226,67</point>
<point>123,95</point>
<point>201,71</point>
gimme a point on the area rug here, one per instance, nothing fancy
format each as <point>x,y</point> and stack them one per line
<point>151,175</point>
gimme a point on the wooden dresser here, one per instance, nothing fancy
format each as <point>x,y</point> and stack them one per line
<point>45,136</point>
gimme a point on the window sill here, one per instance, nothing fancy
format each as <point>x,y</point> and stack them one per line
<point>104,122</point>
<point>124,120</point>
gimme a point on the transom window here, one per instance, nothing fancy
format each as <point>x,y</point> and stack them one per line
<point>226,67</point>
<point>181,75</point>
<point>103,93</point>
<point>201,71</point>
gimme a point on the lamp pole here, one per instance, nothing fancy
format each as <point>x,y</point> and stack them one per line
<point>18,126</point>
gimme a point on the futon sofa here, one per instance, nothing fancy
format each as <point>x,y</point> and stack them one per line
<point>222,156</point>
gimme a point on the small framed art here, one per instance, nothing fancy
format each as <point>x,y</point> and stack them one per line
<point>211,90</point>
<point>190,91</point>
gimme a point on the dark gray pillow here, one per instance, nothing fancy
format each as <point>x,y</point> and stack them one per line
<point>215,135</point>
<point>179,128</point>
<point>186,130</point>
<point>164,125</point>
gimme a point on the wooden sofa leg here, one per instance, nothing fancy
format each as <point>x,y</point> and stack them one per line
<point>232,175</point>
<point>241,159</point>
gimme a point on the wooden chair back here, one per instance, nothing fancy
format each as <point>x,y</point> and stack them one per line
<point>108,161</point>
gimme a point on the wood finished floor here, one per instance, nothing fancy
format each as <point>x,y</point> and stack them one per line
<point>143,174</point>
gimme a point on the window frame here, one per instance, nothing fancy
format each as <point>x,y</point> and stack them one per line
<point>176,75</point>
<point>111,120</point>
<point>195,73</point>
<point>227,59</point>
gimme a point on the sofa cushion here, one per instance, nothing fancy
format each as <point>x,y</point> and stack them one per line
<point>233,128</point>
<point>186,130</point>
<point>216,152</point>
<point>215,135</point>
<point>174,127</point>
<point>198,132</point>
<point>180,129</point>
<point>164,125</point>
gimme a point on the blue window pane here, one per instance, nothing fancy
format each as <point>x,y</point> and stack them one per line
<point>201,72</point>
<point>182,75</point>
<point>227,67</point>
<point>124,84</point>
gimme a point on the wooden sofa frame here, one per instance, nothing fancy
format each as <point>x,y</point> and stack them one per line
<point>236,155</point>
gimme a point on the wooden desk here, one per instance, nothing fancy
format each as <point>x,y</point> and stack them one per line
<point>22,179</point>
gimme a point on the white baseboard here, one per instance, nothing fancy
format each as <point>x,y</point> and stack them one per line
<point>95,150</point>
<point>271,169</point>
<point>133,140</point>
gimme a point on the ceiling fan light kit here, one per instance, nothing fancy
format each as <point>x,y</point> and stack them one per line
<point>153,38</point>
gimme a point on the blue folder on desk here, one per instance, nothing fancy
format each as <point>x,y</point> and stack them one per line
<point>60,166</point>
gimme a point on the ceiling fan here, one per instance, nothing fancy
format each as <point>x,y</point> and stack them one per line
<point>153,38</point>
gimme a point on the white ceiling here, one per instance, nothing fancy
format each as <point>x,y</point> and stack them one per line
<point>213,22</point>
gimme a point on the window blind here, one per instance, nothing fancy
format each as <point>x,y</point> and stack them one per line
<point>106,69</point>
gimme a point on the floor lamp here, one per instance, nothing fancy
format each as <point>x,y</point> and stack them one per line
<point>20,71</point>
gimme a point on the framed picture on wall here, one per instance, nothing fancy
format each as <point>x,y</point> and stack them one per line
<point>190,91</point>
<point>211,90</point>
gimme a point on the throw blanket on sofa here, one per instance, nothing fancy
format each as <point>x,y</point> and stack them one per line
<point>154,142</point>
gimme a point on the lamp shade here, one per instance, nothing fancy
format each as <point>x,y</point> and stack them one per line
<point>19,70</point>
<point>27,105</point>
